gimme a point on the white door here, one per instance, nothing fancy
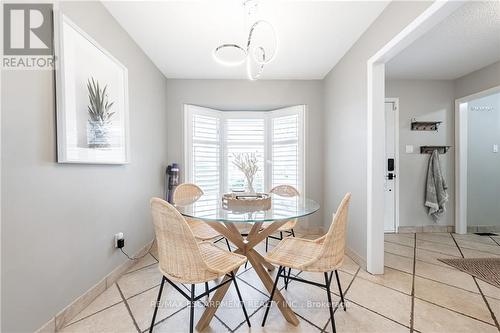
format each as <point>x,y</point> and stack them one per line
<point>390,166</point>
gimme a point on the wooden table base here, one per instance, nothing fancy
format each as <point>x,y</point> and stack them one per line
<point>246,247</point>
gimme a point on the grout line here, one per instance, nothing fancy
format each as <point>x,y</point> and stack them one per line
<point>480,291</point>
<point>152,255</point>
<point>340,301</point>
<point>138,269</point>
<point>451,310</point>
<point>422,248</point>
<point>167,317</point>
<point>128,309</point>
<point>412,311</point>
<point>493,239</point>
<point>90,315</point>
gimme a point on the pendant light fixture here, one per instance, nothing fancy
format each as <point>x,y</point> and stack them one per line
<point>260,49</point>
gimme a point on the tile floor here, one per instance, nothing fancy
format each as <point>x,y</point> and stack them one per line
<point>416,293</point>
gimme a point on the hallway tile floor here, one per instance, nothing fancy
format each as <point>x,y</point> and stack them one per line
<point>417,293</point>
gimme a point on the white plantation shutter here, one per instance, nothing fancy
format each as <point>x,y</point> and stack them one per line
<point>213,137</point>
<point>204,165</point>
<point>244,135</point>
<point>287,147</point>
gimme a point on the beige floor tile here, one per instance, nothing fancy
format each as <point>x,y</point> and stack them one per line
<point>253,279</point>
<point>391,278</point>
<point>472,238</point>
<point>382,300</point>
<point>136,282</point>
<point>432,257</point>
<point>142,305</point>
<point>109,297</point>
<point>275,323</point>
<point>468,253</point>
<point>432,318</point>
<point>358,319</point>
<point>401,239</point>
<point>437,237</point>
<point>113,319</point>
<point>489,290</point>
<point>147,260</point>
<point>349,266</point>
<point>462,301</point>
<point>310,302</point>
<point>398,249</point>
<point>345,280</point>
<point>450,276</point>
<point>404,264</point>
<point>490,248</point>
<point>451,250</point>
<point>179,322</point>
<point>230,311</point>
<point>495,306</point>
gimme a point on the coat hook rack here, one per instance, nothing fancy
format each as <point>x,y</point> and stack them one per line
<point>425,125</point>
<point>430,149</point>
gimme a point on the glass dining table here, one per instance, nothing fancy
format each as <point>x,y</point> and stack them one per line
<point>210,209</point>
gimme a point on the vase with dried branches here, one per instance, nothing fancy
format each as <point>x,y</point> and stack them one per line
<point>248,164</point>
<point>100,115</point>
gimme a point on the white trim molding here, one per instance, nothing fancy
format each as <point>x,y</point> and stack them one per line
<point>461,118</point>
<point>436,12</point>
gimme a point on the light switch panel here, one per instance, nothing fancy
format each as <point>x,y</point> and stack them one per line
<point>495,148</point>
<point>409,149</point>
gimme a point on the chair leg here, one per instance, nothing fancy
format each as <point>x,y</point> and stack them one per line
<point>281,235</point>
<point>330,304</point>
<point>293,233</point>
<point>246,264</point>
<point>241,299</point>
<point>288,278</point>
<point>228,246</point>
<point>191,313</point>
<point>268,305</point>
<point>340,289</point>
<point>206,289</point>
<point>157,304</point>
<point>267,242</point>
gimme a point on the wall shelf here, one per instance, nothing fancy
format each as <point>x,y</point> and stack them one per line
<point>425,125</point>
<point>430,149</point>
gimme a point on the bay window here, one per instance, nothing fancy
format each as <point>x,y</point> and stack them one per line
<point>214,137</point>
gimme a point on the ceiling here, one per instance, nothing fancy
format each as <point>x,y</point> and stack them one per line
<point>180,36</point>
<point>469,39</point>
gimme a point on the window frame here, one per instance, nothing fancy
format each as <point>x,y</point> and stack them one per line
<point>190,110</point>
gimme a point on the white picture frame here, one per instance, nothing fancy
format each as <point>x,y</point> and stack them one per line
<point>79,58</point>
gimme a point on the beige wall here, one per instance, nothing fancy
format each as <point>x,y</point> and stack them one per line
<point>58,220</point>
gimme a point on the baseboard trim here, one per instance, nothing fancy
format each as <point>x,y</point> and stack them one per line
<point>356,258</point>
<point>426,228</point>
<point>65,316</point>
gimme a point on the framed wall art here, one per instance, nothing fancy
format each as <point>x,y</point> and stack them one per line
<point>91,98</point>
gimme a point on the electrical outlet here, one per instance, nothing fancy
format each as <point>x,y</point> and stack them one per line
<point>118,237</point>
<point>409,149</point>
<point>495,148</point>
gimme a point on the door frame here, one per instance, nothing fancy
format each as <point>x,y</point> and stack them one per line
<point>395,101</point>
<point>434,14</point>
<point>461,121</point>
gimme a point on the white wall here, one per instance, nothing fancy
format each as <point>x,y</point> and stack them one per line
<point>249,95</point>
<point>482,79</point>
<point>483,165</point>
<point>346,119</point>
<point>58,221</point>
<point>424,100</point>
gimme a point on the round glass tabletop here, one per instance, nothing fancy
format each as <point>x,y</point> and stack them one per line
<point>210,208</point>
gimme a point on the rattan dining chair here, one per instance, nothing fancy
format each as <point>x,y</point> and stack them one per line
<point>188,193</point>
<point>287,228</point>
<point>325,254</point>
<point>184,260</point>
